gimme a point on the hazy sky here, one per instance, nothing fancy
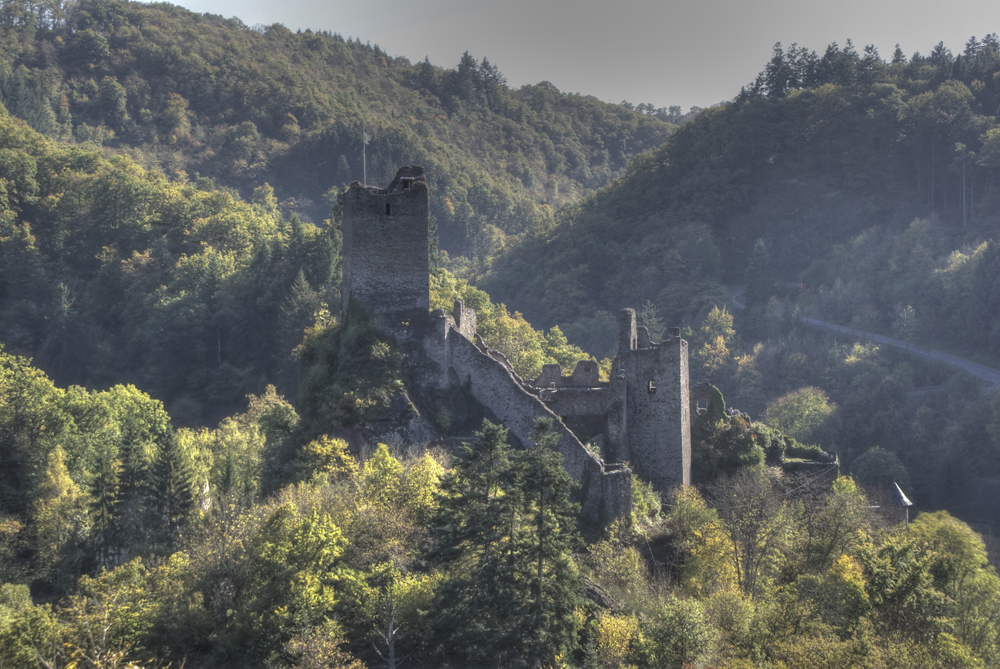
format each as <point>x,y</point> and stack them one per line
<point>665,53</point>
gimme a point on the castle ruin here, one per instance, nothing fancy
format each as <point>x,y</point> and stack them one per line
<point>640,417</point>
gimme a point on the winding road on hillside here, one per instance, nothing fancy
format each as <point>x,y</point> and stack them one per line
<point>986,373</point>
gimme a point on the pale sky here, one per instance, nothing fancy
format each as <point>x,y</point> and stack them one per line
<point>664,53</point>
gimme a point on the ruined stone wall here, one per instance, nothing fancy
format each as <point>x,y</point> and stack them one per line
<point>465,320</point>
<point>658,406</point>
<point>386,268</point>
<point>583,410</point>
<point>616,438</point>
<point>586,374</point>
<point>575,401</point>
<point>603,495</point>
<point>385,254</point>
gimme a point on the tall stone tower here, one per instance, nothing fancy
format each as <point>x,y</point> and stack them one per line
<point>385,235</point>
<point>657,425</point>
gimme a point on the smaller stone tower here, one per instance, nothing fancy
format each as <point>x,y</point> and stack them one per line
<point>385,236</point>
<point>657,425</point>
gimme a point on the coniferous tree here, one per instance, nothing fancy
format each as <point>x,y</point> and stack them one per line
<point>779,75</point>
<point>898,56</point>
<point>427,76</point>
<point>649,317</point>
<point>105,497</point>
<point>296,313</point>
<point>175,490</point>
<point>476,610</point>
<point>549,536</point>
<point>506,528</point>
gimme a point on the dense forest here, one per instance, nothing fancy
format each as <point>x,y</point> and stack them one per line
<point>236,547</point>
<point>839,185</point>
<point>178,388</point>
<point>819,150</point>
<point>202,95</point>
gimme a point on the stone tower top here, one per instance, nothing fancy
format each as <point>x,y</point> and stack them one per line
<point>386,265</point>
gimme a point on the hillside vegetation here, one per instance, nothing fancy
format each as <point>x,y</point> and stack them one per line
<point>115,274</point>
<point>244,546</point>
<point>199,94</point>
<point>154,264</point>
<point>869,185</point>
<point>816,151</point>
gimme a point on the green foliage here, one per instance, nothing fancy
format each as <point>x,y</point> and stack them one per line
<point>839,595</point>
<point>113,273</point>
<point>419,488</point>
<point>191,293</point>
<point>716,408</point>
<point>319,647</point>
<point>803,414</point>
<point>886,141</point>
<point>759,280</point>
<point>963,573</point>
<point>237,458</point>
<point>30,410</point>
<point>350,370</point>
<point>833,527</point>
<point>646,501</point>
<point>649,318</point>
<point>526,348</point>
<point>505,527</point>
<point>899,585</point>
<point>677,634</point>
<point>60,522</point>
<point>10,545</point>
<point>595,268</point>
<point>327,456</point>
<point>727,446</point>
<point>753,517</point>
<point>176,485</point>
<point>293,572</point>
<point>878,469</point>
<point>212,96</point>
<point>710,345</point>
<point>28,633</point>
<point>382,477</point>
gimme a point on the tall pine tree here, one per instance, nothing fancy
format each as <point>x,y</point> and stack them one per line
<point>548,537</point>
<point>175,490</point>
<point>505,530</point>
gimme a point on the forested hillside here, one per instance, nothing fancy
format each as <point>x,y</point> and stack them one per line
<point>869,185</point>
<point>156,276</point>
<point>203,95</point>
<point>242,546</point>
<point>817,150</point>
<point>111,273</point>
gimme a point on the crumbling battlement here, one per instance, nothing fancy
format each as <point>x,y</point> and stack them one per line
<point>605,494</point>
<point>585,375</point>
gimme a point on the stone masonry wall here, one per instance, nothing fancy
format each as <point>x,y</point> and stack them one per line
<point>658,414</point>
<point>586,374</point>
<point>583,410</point>
<point>465,320</point>
<point>604,495</point>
